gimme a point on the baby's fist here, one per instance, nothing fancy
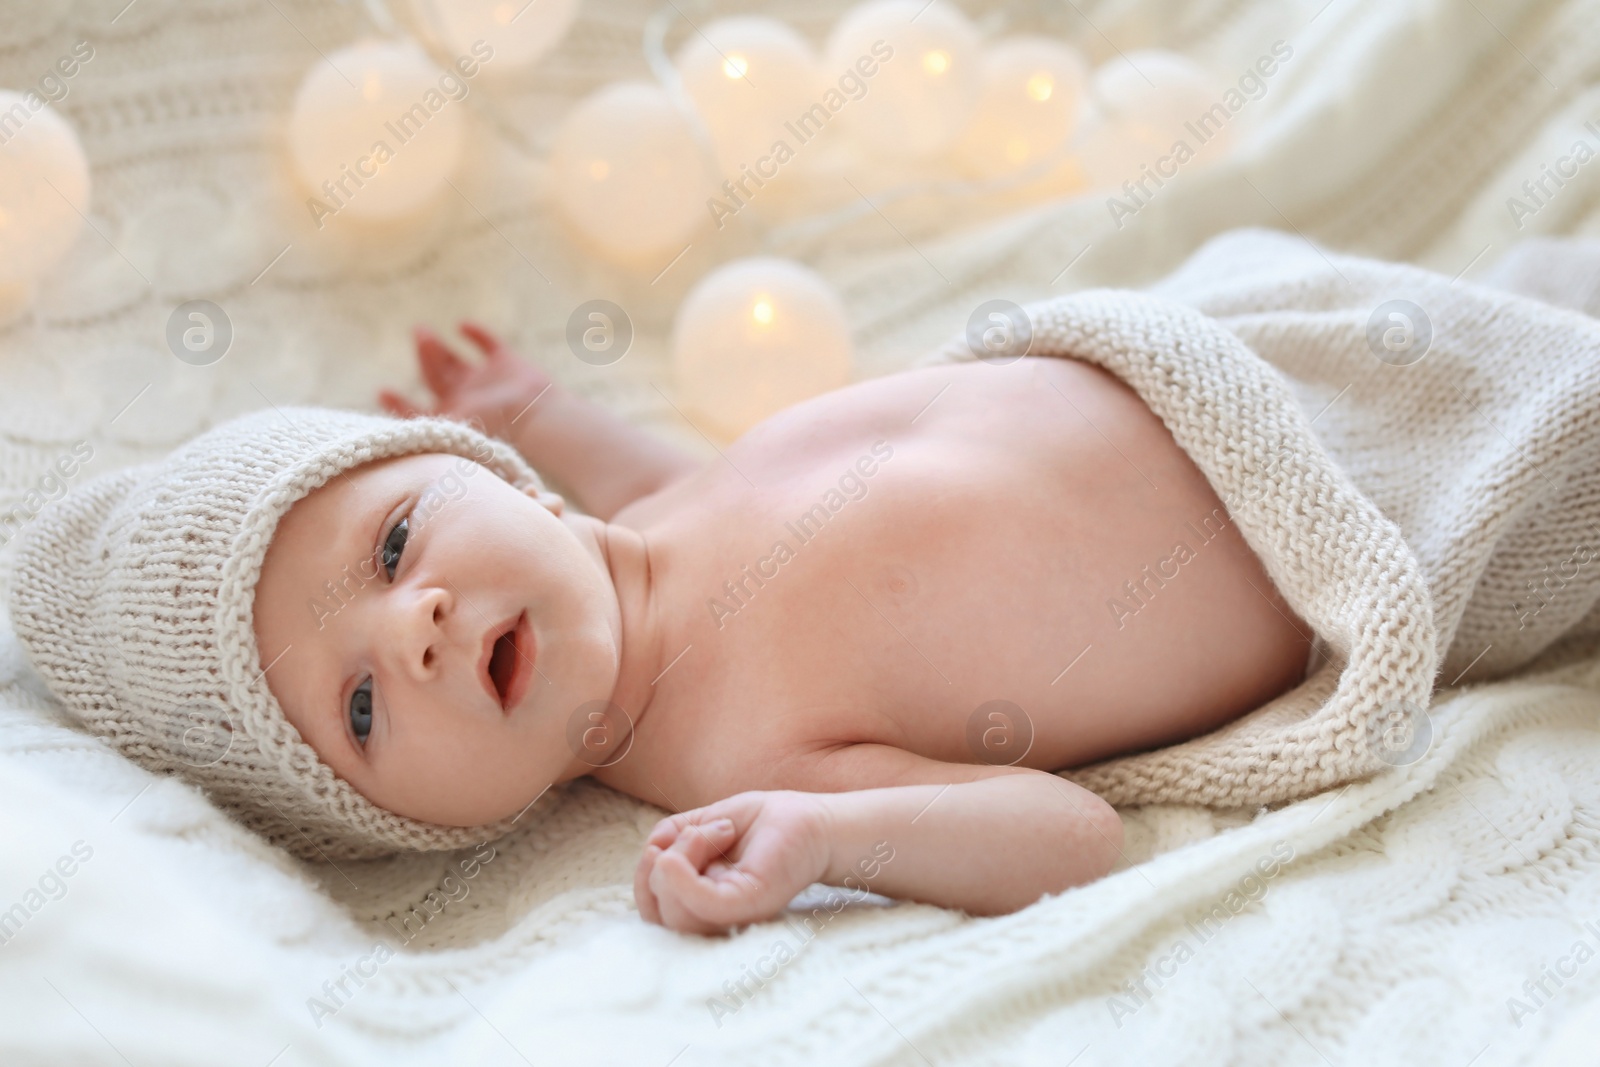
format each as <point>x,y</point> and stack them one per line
<point>738,861</point>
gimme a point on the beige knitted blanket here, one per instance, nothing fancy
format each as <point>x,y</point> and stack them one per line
<point>1430,507</point>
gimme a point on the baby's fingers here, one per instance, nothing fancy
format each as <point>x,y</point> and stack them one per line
<point>442,369</point>
<point>395,404</point>
<point>695,902</point>
<point>491,345</point>
<point>669,829</point>
<point>643,896</point>
<point>700,843</point>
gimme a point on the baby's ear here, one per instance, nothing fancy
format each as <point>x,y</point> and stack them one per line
<point>547,499</point>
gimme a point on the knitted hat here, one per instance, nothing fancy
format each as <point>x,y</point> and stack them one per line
<point>134,597</point>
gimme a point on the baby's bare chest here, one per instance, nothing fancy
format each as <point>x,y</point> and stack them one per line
<point>902,563</point>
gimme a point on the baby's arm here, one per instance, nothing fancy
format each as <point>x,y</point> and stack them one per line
<point>606,461</point>
<point>986,840</point>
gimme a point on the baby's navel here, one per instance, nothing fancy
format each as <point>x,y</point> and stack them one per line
<point>898,584</point>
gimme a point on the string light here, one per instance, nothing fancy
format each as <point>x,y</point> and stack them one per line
<point>44,190</point>
<point>629,173</point>
<point>924,85</point>
<point>1032,90</point>
<point>747,76</point>
<point>1143,101</point>
<point>519,31</point>
<point>376,130</point>
<point>755,336</point>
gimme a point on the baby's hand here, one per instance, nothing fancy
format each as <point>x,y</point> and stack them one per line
<point>492,393</point>
<point>738,861</point>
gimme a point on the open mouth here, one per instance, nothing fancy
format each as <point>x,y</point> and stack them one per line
<point>510,662</point>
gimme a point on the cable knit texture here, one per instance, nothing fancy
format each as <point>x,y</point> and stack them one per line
<point>134,598</point>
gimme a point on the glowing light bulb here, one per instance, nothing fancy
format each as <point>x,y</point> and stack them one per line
<point>747,76</point>
<point>517,32</point>
<point>629,174</point>
<point>1031,96</point>
<point>1146,102</point>
<point>381,150</point>
<point>925,61</point>
<point>44,189</point>
<point>755,336</point>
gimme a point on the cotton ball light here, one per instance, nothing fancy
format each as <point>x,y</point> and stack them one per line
<point>38,223</point>
<point>755,336</point>
<point>517,32</point>
<point>925,84</point>
<point>1149,101</point>
<point>629,173</point>
<point>375,131</point>
<point>1028,103</point>
<point>747,76</point>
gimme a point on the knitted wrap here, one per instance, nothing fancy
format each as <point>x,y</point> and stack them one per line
<point>133,596</point>
<point>1427,518</point>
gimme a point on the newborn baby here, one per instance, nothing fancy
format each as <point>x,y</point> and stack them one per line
<point>852,647</point>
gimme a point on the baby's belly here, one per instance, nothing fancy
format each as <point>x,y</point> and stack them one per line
<point>1037,576</point>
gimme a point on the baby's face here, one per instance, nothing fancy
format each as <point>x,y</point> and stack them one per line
<point>384,592</point>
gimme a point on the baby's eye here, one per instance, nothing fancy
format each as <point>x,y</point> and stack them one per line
<point>361,711</point>
<point>395,544</point>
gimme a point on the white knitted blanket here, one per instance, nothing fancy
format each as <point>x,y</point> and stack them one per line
<point>1430,914</point>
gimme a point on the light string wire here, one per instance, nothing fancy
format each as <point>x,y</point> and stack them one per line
<point>801,230</point>
<point>806,229</point>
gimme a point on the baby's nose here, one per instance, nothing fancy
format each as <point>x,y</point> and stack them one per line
<point>423,638</point>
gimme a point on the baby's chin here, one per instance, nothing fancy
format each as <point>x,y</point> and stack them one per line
<point>570,676</point>
<point>487,814</point>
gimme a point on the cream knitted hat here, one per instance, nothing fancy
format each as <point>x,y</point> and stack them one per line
<point>134,596</point>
